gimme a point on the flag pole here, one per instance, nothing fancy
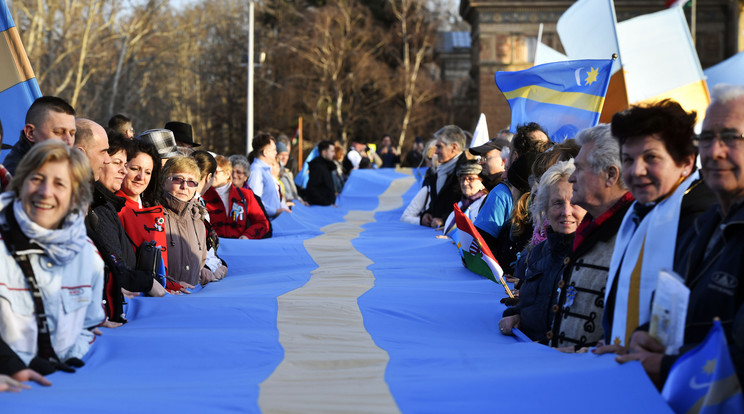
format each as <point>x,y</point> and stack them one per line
<point>539,39</point>
<point>299,142</point>
<point>693,21</point>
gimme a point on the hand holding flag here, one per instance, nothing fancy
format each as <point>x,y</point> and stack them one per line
<point>475,252</point>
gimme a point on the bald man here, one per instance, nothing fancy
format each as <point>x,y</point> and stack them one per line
<point>91,138</point>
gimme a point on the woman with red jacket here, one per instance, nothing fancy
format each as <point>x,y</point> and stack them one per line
<point>142,215</point>
<point>234,212</point>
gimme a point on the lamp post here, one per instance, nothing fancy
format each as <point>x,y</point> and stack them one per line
<point>249,115</point>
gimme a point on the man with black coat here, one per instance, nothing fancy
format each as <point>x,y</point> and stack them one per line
<point>320,189</point>
<point>444,186</point>
<point>106,231</point>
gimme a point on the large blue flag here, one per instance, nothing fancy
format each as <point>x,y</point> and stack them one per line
<point>303,176</point>
<point>18,87</point>
<point>563,97</point>
<point>704,380</point>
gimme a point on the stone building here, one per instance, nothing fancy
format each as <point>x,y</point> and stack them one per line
<point>504,37</point>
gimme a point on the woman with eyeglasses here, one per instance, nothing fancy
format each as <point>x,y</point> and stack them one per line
<point>184,220</point>
<point>658,166</point>
<point>473,195</point>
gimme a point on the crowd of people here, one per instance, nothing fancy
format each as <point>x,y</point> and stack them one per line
<point>93,216</point>
<point>583,227</point>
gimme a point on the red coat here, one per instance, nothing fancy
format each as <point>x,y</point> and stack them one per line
<point>144,224</point>
<point>252,223</point>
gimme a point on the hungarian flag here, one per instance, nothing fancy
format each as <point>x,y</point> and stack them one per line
<point>475,252</point>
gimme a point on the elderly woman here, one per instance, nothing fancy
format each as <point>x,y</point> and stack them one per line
<point>184,220</point>
<point>234,212</point>
<point>261,181</point>
<point>542,274</point>
<point>658,165</point>
<point>241,169</point>
<point>473,195</point>
<point>52,274</point>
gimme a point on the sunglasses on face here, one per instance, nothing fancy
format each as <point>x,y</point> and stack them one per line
<point>180,181</point>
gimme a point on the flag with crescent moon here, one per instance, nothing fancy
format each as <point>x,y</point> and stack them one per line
<point>563,97</point>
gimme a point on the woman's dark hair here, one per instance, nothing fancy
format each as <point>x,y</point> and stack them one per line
<point>666,118</point>
<point>260,142</point>
<point>151,196</point>
<point>118,142</point>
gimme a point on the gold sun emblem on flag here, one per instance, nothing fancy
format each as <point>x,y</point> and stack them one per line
<point>591,76</point>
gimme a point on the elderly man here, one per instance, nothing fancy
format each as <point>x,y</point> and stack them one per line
<point>48,117</point>
<point>444,187</point>
<point>713,263</point>
<point>492,161</point>
<point>599,189</point>
<point>91,138</point>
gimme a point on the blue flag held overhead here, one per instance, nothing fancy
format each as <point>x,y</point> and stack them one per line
<point>18,87</point>
<point>704,379</point>
<point>563,97</point>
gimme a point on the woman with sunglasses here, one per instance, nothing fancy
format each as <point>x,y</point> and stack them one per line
<point>184,220</point>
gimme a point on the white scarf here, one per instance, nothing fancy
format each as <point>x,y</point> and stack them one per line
<point>657,235</point>
<point>444,170</point>
<point>61,245</point>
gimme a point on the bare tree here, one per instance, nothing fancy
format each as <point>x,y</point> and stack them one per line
<point>417,36</point>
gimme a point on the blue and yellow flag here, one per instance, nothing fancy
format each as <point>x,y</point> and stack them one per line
<point>704,380</point>
<point>563,97</point>
<point>18,87</point>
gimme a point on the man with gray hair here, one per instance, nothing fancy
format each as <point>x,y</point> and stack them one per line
<point>713,260</point>
<point>444,187</point>
<point>599,189</point>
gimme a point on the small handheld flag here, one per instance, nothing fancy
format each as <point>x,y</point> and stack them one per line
<point>475,252</point>
<point>563,97</point>
<point>704,379</point>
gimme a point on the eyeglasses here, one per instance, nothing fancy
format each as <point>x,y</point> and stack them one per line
<point>469,178</point>
<point>180,180</point>
<point>729,138</point>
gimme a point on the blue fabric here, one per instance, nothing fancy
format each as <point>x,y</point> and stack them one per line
<point>304,174</point>
<point>554,95</point>
<point>729,71</point>
<point>208,352</point>
<point>495,210</point>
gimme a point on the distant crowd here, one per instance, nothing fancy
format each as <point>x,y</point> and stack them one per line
<point>92,215</point>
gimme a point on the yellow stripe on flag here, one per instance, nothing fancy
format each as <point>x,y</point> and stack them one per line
<point>541,94</point>
<point>14,64</point>
<point>693,97</point>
